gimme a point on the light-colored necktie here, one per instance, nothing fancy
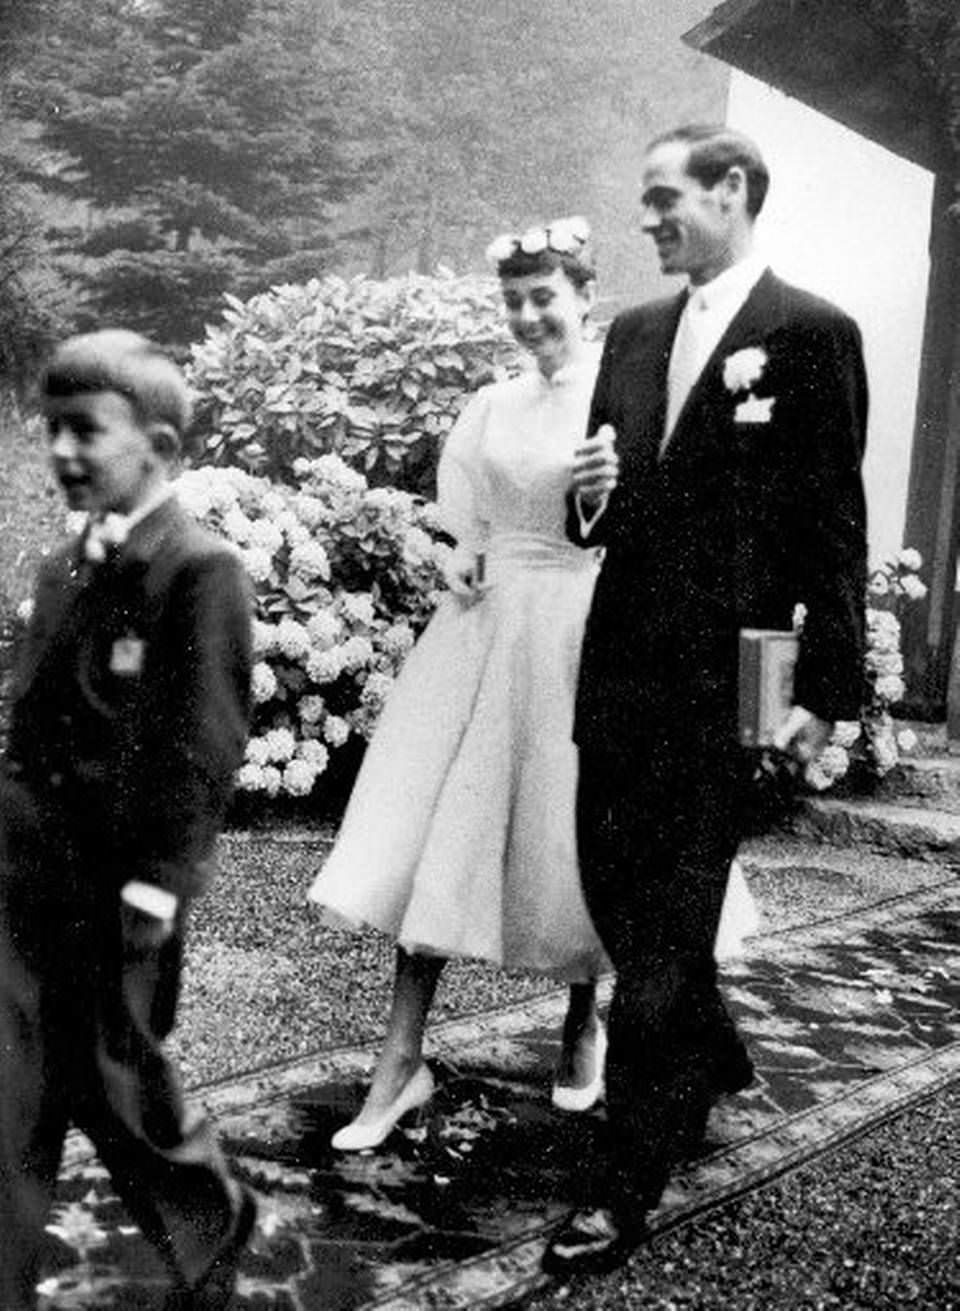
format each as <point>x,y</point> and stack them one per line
<point>686,363</point>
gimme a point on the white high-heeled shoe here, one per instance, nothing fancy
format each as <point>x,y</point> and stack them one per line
<point>357,1137</point>
<point>582,1099</point>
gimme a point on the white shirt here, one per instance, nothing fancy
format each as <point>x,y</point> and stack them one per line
<point>708,313</point>
<point>112,529</point>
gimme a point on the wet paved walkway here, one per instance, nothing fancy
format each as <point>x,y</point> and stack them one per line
<point>848,1020</point>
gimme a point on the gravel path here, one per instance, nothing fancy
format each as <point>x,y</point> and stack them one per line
<point>871,1227</point>
<point>266,981</point>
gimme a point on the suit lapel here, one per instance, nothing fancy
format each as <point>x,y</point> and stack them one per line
<point>64,586</point>
<point>150,536</point>
<point>750,326</point>
<point>59,591</point>
<point>644,371</point>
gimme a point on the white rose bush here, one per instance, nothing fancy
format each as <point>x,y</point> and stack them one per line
<point>345,577</point>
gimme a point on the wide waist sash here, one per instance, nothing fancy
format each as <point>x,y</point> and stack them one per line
<point>507,551</point>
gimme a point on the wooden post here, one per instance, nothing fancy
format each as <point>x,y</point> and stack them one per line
<point>933,497</point>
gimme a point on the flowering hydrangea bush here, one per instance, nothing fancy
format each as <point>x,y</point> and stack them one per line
<point>374,371</point>
<point>345,578</point>
<point>873,743</point>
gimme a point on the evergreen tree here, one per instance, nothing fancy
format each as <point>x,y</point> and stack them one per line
<point>482,117</point>
<point>204,139</point>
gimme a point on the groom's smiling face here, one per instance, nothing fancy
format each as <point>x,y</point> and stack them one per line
<point>692,225</point>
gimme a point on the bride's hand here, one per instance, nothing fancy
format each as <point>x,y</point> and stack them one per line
<point>596,466</point>
<point>463,574</point>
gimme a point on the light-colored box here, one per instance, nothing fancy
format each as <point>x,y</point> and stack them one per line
<point>768,658</point>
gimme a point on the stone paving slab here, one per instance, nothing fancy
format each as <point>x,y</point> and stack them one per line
<point>848,1020</point>
<point>911,831</point>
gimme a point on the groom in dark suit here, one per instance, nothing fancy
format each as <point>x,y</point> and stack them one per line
<point>733,493</point>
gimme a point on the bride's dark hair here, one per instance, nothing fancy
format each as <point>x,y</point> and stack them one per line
<point>561,244</point>
<point>521,263</point>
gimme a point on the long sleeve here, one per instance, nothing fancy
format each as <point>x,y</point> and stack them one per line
<point>196,741</point>
<point>461,496</point>
<point>585,525</point>
<point>830,523</point>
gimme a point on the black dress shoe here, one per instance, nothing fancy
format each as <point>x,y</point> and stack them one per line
<point>733,1072</point>
<point>591,1243</point>
<point>216,1289</point>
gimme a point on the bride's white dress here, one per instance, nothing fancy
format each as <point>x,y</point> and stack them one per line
<point>459,837</point>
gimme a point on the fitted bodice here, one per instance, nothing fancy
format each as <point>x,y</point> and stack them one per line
<point>506,467</point>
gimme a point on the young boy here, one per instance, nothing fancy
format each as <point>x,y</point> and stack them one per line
<point>130,715</point>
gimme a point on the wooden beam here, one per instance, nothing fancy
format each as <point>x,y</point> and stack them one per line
<point>833,56</point>
<point>933,511</point>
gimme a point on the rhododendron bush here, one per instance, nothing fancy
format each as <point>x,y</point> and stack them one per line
<point>345,577</point>
<point>374,371</point>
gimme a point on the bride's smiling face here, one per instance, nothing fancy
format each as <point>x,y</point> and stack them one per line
<point>546,314</point>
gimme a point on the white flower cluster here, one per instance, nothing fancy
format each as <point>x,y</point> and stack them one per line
<point>744,368</point>
<point>875,740</point>
<point>897,577</point>
<point>325,653</point>
<point>565,236</point>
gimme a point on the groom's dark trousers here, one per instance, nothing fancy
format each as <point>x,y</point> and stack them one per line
<point>746,512</point>
<point>657,835</point>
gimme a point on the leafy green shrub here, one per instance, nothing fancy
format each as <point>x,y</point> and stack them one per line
<point>375,372</point>
<point>346,576</point>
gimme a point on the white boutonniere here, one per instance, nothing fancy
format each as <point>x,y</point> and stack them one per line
<point>743,368</point>
<point>741,372</point>
<point>755,409</point>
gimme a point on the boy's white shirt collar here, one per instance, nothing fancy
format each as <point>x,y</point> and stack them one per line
<point>113,529</point>
<point>139,512</point>
<point>152,502</point>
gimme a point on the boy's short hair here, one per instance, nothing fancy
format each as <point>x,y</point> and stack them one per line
<point>118,360</point>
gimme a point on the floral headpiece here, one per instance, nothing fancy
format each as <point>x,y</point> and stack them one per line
<point>565,236</point>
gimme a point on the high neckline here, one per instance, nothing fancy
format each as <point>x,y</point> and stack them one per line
<point>587,359</point>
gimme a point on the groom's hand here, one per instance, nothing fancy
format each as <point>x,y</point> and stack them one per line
<point>802,735</point>
<point>596,467</point>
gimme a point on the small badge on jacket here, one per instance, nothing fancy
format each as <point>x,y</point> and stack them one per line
<point>126,656</point>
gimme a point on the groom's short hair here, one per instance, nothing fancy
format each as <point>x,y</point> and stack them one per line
<point>715,149</point>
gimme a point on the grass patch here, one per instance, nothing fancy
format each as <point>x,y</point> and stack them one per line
<point>31,509</point>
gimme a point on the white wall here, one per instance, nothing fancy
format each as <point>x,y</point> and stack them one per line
<point>850,221</point>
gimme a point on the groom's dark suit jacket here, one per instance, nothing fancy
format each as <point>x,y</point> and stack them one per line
<point>732,526</point>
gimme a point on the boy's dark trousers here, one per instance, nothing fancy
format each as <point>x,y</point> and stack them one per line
<point>87,996</point>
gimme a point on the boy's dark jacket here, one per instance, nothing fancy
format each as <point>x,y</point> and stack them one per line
<point>131,700</point>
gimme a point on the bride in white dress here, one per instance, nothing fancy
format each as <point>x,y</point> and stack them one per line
<point>459,838</point>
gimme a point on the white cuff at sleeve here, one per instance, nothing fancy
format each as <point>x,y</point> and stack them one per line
<point>587,519</point>
<point>158,902</point>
